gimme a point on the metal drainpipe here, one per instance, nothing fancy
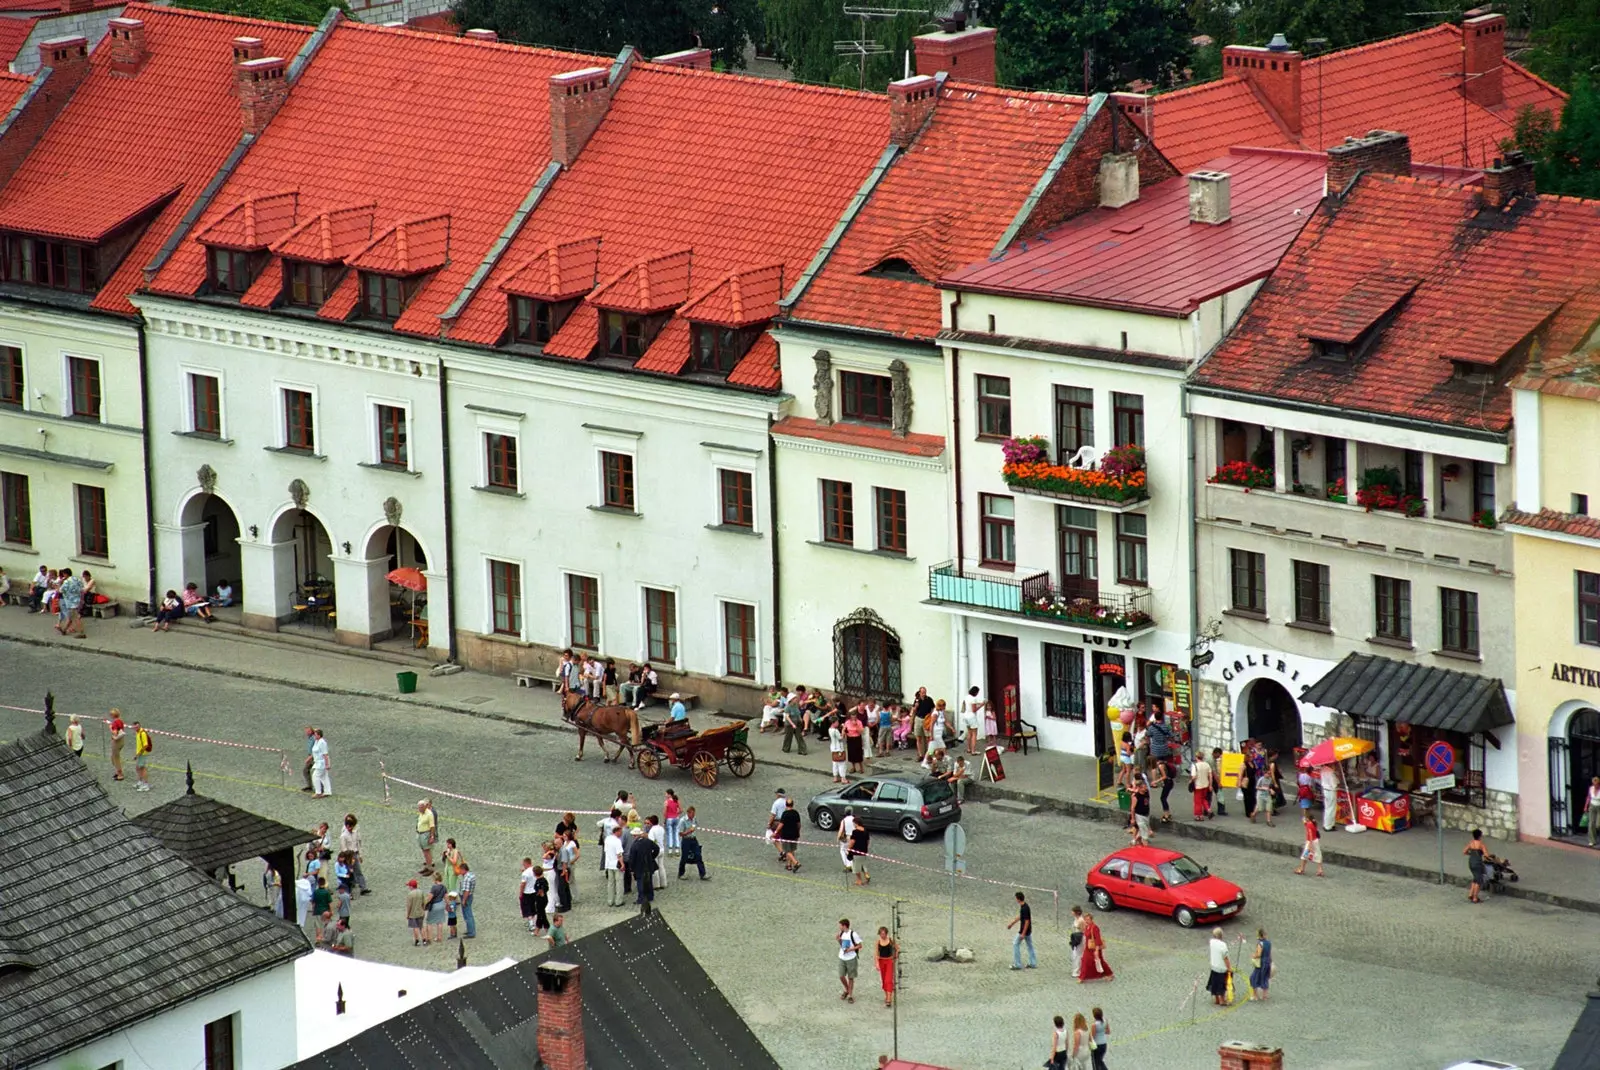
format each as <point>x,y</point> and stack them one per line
<point>777,584</point>
<point>1190,516</point>
<point>449,511</point>
<point>955,434</point>
<point>149,491</point>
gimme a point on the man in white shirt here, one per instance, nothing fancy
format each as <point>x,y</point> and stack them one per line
<point>849,944</point>
<point>1217,985</point>
<point>846,827</point>
<point>658,836</point>
<point>613,868</point>
<point>1330,797</point>
<point>530,879</point>
<point>321,770</point>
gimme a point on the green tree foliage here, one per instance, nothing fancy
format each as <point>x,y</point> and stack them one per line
<point>1566,39</point>
<point>802,34</point>
<point>306,11</point>
<point>1341,23</point>
<point>1042,42</point>
<point>1567,158</point>
<point>655,27</point>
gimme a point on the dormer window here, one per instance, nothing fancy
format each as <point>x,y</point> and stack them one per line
<point>307,285</point>
<point>232,271</point>
<point>896,267</point>
<point>536,321</point>
<point>1353,326</point>
<point>718,349</point>
<point>624,334</point>
<point>58,265</point>
<point>384,297</point>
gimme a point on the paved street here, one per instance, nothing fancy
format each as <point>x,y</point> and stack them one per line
<point>1374,971</point>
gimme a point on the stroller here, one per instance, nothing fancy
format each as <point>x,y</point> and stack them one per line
<point>1498,873</point>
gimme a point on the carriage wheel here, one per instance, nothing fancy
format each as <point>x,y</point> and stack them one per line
<point>703,767</point>
<point>741,763</point>
<point>649,763</point>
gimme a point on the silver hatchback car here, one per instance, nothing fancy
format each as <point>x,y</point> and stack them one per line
<point>910,806</point>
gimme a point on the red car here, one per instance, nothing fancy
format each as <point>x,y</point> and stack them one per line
<point>1162,882</point>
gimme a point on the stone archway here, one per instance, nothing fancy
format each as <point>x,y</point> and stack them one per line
<point>312,548</point>
<point>1269,714</point>
<point>218,556</point>
<point>392,609</point>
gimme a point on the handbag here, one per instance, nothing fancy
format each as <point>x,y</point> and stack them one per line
<point>1190,786</point>
<point>837,755</point>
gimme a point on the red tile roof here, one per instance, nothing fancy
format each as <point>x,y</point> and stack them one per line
<point>253,224</point>
<point>759,368</point>
<point>1148,256</point>
<point>328,237</point>
<point>741,299</point>
<point>862,435</point>
<point>564,270</point>
<point>654,284</point>
<point>940,206</point>
<point>743,172</point>
<point>1489,283</point>
<point>1411,84</point>
<point>124,141</point>
<point>14,34</point>
<point>1584,527</point>
<point>380,116</point>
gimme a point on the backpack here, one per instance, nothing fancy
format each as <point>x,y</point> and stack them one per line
<point>149,741</point>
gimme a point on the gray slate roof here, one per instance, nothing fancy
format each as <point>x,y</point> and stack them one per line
<point>127,929</point>
<point>209,834</point>
<point>647,1005</point>
<point>1381,689</point>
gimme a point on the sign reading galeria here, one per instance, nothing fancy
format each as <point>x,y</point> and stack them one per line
<point>1575,674</point>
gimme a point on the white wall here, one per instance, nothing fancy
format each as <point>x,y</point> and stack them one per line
<point>264,1034</point>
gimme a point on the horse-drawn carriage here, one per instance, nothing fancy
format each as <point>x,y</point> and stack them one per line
<point>671,742</point>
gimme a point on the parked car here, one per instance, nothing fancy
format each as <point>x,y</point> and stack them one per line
<point>913,807</point>
<point>1162,882</point>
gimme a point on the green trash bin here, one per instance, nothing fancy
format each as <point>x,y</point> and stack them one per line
<point>408,682</point>
<point>1124,800</point>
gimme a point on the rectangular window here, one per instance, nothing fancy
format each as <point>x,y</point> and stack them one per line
<point>501,456</point>
<point>220,1044</point>
<point>1078,543</point>
<point>1391,599</point>
<point>1074,421</point>
<point>1063,683</point>
<point>53,264</point>
<point>538,321</point>
<point>1413,475</point>
<point>11,386</point>
<point>310,284</point>
<point>624,335</point>
<point>583,611</point>
<point>1458,619</point>
<point>1127,418</point>
<point>1333,463</point>
<point>891,513</point>
<point>1133,560</point>
<point>661,626</point>
<point>1580,505</point>
<point>1588,605</point>
<point>994,406</point>
<point>232,270</point>
<point>739,639</point>
<point>205,405</point>
<point>505,587</point>
<point>392,449</point>
<point>997,515</point>
<point>1248,581</point>
<point>1482,487</point>
<point>385,296</point>
<point>838,513</point>
<point>92,541</point>
<point>719,349</point>
<point>18,512</point>
<point>83,377</point>
<point>1311,593</point>
<point>617,472</point>
<point>299,421</point>
<point>867,399</point>
<point>735,490</point>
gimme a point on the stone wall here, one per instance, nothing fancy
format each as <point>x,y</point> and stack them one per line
<point>1213,716</point>
<point>90,24</point>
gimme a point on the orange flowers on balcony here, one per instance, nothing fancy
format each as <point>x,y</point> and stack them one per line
<point>1027,469</point>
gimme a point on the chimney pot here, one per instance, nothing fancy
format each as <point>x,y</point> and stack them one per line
<point>246,49</point>
<point>1510,178</point>
<point>1279,43</point>
<point>1137,108</point>
<point>1210,197</point>
<point>911,101</point>
<point>966,55</point>
<point>697,58</point>
<point>1273,72</point>
<point>128,49</point>
<point>560,1037</point>
<point>1119,179</point>
<point>482,35</point>
<point>1484,42</point>
<point>65,53</point>
<point>262,85</point>
<point>578,101</point>
<point>1381,151</point>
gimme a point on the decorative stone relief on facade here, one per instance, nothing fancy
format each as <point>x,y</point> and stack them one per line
<point>207,478</point>
<point>822,385</point>
<point>899,398</point>
<point>391,511</point>
<point>299,493</point>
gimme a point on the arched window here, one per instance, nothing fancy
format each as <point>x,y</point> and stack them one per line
<point>866,657</point>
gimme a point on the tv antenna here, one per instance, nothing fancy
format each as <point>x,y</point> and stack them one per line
<point>867,45</point>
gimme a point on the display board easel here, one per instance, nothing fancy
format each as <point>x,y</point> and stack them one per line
<point>993,768</point>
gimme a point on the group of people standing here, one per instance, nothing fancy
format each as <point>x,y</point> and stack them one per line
<point>1083,1046</point>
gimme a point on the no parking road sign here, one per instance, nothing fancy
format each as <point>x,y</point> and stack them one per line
<point>1441,758</point>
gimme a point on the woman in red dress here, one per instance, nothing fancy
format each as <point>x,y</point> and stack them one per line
<point>1092,966</point>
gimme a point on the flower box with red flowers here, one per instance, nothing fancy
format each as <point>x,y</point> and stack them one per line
<point>1242,474</point>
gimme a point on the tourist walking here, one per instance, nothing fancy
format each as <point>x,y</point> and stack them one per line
<point>856,858</point>
<point>971,717</point>
<point>311,740</point>
<point>672,811</point>
<point>1261,966</point>
<point>789,836</point>
<point>658,836</point>
<point>888,954</point>
<point>642,864</point>
<point>689,853</point>
<point>119,732</point>
<point>796,723</point>
<point>1161,754</point>
<point>1141,810</point>
<point>1219,807</point>
<point>854,753</point>
<point>1093,966</point>
<point>1200,784</point>
<point>466,892</point>
<point>1475,850</point>
<point>921,710</point>
<point>836,753</point>
<point>416,911</point>
<point>321,767</point>
<point>1249,787</point>
<point>1058,1044</point>
<point>525,890</point>
<point>1265,803</point>
<point>435,916</point>
<point>451,857</point>
<point>1079,1045</point>
<point>142,746</point>
<point>1593,816</point>
<point>350,843</point>
<point>1221,967</point>
<point>567,852</point>
<point>1024,923</point>
<point>1099,1037</point>
<point>849,955</point>
<point>611,864</point>
<point>885,741</point>
<point>427,833</point>
<point>1076,939</point>
<point>541,902</point>
<point>1312,851</point>
<point>75,736</point>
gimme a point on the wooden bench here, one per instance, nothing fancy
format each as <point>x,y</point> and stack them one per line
<point>105,610</point>
<point>528,679</point>
<point>690,701</point>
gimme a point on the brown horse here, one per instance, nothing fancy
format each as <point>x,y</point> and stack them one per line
<point>602,722</point>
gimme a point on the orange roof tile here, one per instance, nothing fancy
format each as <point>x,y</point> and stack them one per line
<point>940,206</point>
<point>739,300</point>
<point>381,115</point>
<point>759,367</point>
<point>253,223</point>
<point>14,33</point>
<point>669,353</point>
<point>328,237</point>
<point>563,271</point>
<point>1489,281</point>
<point>410,247</point>
<point>654,284</point>
<point>123,142</point>
<point>1584,527</point>
<point>578,336</point>
<point>872,438</point>
<point>1410,83</point>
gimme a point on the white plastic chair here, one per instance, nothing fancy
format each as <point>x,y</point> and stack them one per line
<point>1085,459</point>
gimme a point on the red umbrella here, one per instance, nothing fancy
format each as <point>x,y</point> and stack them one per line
<point>410,578</point>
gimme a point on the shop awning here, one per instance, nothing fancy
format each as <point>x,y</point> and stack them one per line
<point>1381,689</point>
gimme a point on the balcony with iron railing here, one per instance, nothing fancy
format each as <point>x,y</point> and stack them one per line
<point>1031,596</point>
<point>1113,481</point>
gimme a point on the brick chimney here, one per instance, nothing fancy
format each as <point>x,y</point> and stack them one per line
<point>262,85</point>
<point>911,102</point>
<point>482,35</point>
<point>1273,72</point>
<point>1511,177</point>
<point>966,55</point>
<point>1237,1055</point>
<point>1483,41</point>
<point>128,49</point>
<point>1137,108</point>
<point>698,58</point>
<point>578,101</point>
<point>561,1016</point>
<point>1210,197</point>
<point>246,49</point>
<point>63,62</point>
<point>1383,152</point>
<point>1119,179</point>
<point>69,56</point>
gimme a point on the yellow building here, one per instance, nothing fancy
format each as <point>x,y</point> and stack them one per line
<point>1556,550</point>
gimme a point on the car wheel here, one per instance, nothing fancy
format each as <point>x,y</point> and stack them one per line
<point>1102,900</point>
<point>909,831</point>
<point>1184,917</point>
<point>825,819</point>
